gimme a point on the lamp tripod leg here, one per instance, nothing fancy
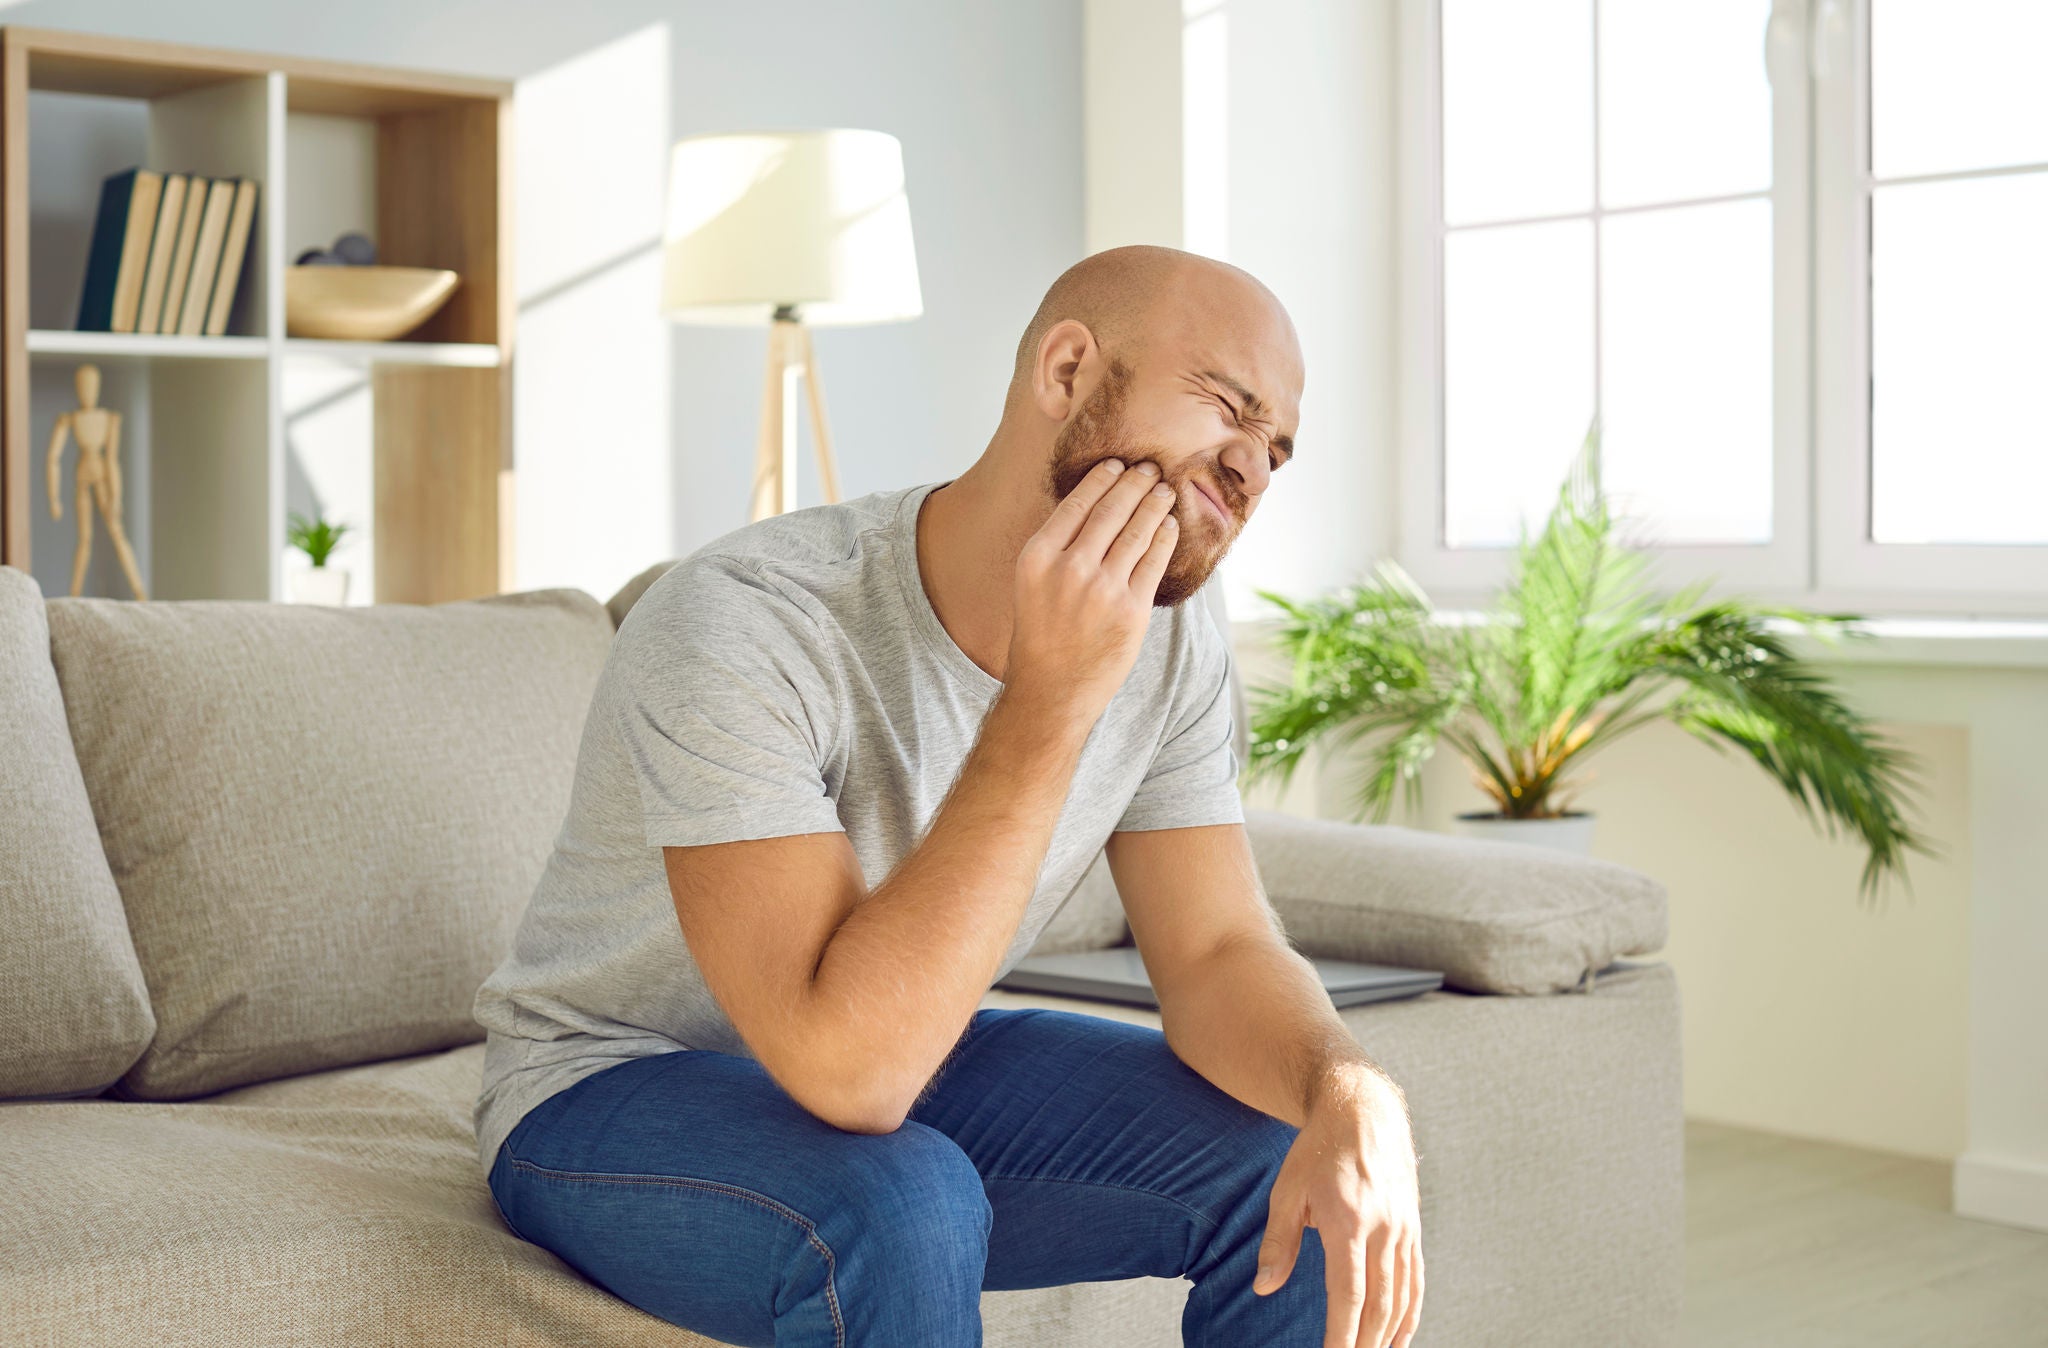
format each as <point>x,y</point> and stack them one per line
<point>828,470</point>
<point>768,456</point>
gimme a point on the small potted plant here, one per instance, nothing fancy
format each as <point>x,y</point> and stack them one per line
<point>318,583</point>
<point>1576,652</point>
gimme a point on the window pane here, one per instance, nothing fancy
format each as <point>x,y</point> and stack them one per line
<point>1517,108</point>
<point>1685,392</point>
<point>1518,374</point>
<point>1957,84</point>
<point>1685,107</point>
<point>1958,351</point>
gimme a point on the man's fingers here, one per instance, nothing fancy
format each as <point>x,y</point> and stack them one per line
<point>1145,575</point>
<point>1281,1245</point>
<point>1112,512</point>
<point>1413,1315</point>
<point>1344,1277</point>
<point>1382,1293</point>
<point>1402,1282</point>
<point>1071,513</point>
<point>1135,539</point>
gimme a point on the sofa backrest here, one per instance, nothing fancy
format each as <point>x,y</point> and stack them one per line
<point>324,823</point>
<point>72,999</point>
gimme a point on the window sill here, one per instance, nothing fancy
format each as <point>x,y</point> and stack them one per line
<point>1992,643</point>
<point>1983,643</point>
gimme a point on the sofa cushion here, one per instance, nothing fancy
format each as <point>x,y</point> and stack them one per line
<point>346,1207</point>
<point>325,822</point>
<point>1494,917</point>
<point>349,1210</point>
<point>73,1001</point>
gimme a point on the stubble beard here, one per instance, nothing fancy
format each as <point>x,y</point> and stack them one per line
<point>1098,432</point>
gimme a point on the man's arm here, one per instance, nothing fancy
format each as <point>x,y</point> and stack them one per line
<point>1248,1013</point>
<point>1238,1004</point>
<point>852,999</point>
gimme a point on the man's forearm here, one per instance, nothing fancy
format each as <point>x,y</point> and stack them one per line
<point>1256,1022</point>
<point>904,972</point>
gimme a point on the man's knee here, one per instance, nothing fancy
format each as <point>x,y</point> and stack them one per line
<point>1258,1143</point>
<point>910,1202</point>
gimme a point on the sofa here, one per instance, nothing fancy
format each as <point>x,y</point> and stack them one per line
<point>255,860</point>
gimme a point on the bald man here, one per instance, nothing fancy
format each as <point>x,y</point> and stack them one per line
<point>840,769</point>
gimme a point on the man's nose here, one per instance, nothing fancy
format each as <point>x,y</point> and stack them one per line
<point>1246,458</point>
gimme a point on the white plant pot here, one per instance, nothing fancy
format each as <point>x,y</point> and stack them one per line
<point>317,585</point>
<point>1572,833</point>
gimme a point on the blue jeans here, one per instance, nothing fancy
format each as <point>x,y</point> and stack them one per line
<point>1051,1148</point>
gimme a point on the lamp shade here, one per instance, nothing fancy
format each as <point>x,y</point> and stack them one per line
<point>813,219</point>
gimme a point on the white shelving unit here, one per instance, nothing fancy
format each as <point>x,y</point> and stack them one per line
<point>131,346</point>
<point>419,161</point>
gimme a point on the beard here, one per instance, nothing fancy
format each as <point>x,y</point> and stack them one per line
<point>1097,432</point>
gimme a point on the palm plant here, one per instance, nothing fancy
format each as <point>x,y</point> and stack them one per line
<point>1576,653</point>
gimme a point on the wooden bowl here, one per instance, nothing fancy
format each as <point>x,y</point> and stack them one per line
<point>363,304</point>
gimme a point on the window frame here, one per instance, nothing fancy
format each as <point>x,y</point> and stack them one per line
<point>1969,578</point>
<point>1820,554</point>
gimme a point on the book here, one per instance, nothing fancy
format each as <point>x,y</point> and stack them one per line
<point>213,228</point>
<point>234,248</point>
<point>161,243</point>
<point>119,252</point>
<point>181,254</point>
<point>142,211</point>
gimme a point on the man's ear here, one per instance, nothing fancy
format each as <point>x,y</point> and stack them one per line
<point>1069,363</point>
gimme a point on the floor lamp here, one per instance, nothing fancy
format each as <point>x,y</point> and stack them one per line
<point>796,230</point>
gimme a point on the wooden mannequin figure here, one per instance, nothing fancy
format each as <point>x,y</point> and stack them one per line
<point>98,430</point>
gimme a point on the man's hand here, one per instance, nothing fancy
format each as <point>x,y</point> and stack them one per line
<point>1351,1175</point>
<point>1085,585</point>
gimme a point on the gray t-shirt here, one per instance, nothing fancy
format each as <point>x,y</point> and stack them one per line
<point>792,677</point>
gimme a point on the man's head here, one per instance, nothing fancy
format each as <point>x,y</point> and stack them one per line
<point>1147,353</point>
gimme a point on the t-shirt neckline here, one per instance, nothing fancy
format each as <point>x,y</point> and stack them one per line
<point>903,535</point>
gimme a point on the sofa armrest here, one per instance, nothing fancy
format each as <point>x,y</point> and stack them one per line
<point>1494,917</point>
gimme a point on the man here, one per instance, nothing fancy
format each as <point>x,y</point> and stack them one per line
<point>841,768</point>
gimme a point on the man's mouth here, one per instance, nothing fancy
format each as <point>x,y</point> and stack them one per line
<point>1222,515</point>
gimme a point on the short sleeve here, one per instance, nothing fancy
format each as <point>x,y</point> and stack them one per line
<point>1193,777</point>
<point>722,703</point>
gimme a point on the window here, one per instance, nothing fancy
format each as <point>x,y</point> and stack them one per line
<point>1710,225</point>
<point>1932,282</point>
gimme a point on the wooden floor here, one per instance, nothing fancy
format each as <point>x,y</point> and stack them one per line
<point>1795,1244</point>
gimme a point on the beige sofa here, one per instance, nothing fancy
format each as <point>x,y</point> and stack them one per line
<point>255,859</point>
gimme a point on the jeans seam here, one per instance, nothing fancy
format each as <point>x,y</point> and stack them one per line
<point>1107,1184</point>
<point>801,1222</point>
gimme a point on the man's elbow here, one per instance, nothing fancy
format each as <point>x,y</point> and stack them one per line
<point>870,1119</point>
<point>853,1102</point>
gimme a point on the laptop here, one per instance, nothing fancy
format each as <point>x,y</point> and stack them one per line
<point>1118,975</point>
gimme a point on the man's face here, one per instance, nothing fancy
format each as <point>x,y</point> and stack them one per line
<point>1211,449</point>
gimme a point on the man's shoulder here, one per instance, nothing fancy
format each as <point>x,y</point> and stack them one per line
<point>776,575</point>
<point>819,535</point>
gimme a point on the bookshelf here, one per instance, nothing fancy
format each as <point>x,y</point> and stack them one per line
<point>420,161</point>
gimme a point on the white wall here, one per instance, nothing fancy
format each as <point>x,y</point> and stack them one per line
<point>1305,176</point>
<point>634,438</point>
